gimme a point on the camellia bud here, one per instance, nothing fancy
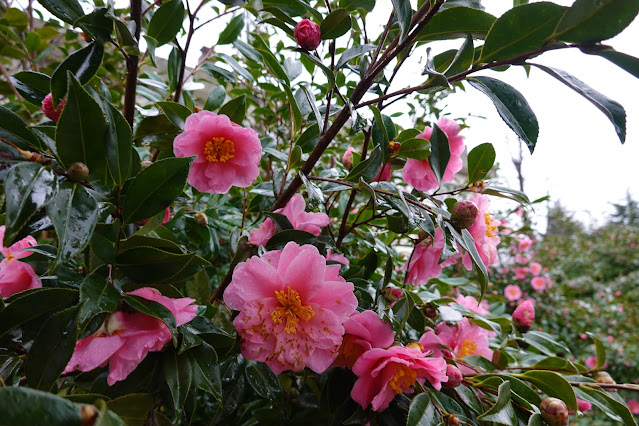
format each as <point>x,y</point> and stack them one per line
<point>392,294</point>
<point>78,172</point>
<point>430,311</point>
<point>455,376</point>
<point>88,415</point>
<point>201,219</point>
<point>347,158</point>
<point>554,411</point>
<point>52,114</point>
<point>478,187</point>
<point>464,214</point>
<point>524,316</point>
<point>307,34</point>
<point>393,147</point>
<point>452,420</point>
<point>605,379</point>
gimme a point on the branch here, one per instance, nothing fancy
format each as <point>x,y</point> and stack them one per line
<point>132,66</point>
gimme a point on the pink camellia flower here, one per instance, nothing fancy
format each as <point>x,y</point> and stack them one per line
<point>591,362</point>
<point>521,272</point>
<point>125,338</point>
<point>17,276</point>
<point>295,211</point>
<point>472,304</point>
<point>383,373</point>
<point>522,259</point>
<point>583,405</point>
<point>424,264</point>
<point>392,294</point>
<point>524,315</point>
<point>292,307</point>
<point>512,292</point>
<point>384,173</point>
<point>524,243</point>
<point>538,283</point>
<point>419,174</point>
<point>307,34</point>
<point>17,249</point>
<point>535,268</point>
<point>633,405</point>
<point>484,233</point>
<point>337,257</point>
<point>347,158</point>
<point>364,331</point>
<point>52,114</point>
<point>227,153</point>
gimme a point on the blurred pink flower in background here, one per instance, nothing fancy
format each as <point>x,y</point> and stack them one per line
<point>524,243</point>
<point>512,292</point>
<point>633,405</point>
<point>524,314</point>
<point>534,268</point>
<point>538,283</point>
<point>384,173</point>
<point>472,304</point>
<point>521,273</point>
<point>484,233</point>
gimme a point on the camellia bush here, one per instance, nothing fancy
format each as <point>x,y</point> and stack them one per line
<point>252,240</point>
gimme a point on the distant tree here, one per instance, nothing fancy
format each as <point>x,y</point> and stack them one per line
<point>561,222</point>
<point>627,213</point>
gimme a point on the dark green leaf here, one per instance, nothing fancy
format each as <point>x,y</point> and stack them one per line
<point>520,30</point>
<point>508,193</point>
<point>263,380</point>
<point>33,86</point>
<point>67,10</point>
<point>80,133</point>
<point>176,113</point>
<point>403,14</point>
<point>28,187</point>
<point>97,295</point>
<point>166,22</point>
<point>74,213</point>
<point>118,144</point>
<point>155,188</point>
<point>463,58</point>
<point>13,129</point>
<point>146,265</point>
<point>104,240</point>
<point>122,32</point>
<point>206,370</point>
<point>457,22</point>
<point>416,148</point>
<point>294,108</point>
<point>133,408</point>
<point>24,406</point>
<point>439,152</point>
<point>283,237</point>
<point>422,412</point>
<point>552,384</point>
<point>336,24</point>
<point>215,99</point>
<point>83,64</point>
<point>502,412</point>
<point>235,109</point>
<point>270,60</point>
<point>480,161</point>
<point>178,375</point>
<point>198,288</point>
<point>326,70</point>
<point>352,53</point>
<point>232,30</point>
<point>626,62</point>
<point>606,402</point>
<point>354,5</point>
<point>367,169</point>
<point>293,7</point>
<point>611,109</point>
<point>51,349</point>
<point>150,307</point>
<point>588,21</point>
<point>511,106</point>
<point>97,25</point>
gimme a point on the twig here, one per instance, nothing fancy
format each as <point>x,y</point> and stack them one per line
<point>132,66</point>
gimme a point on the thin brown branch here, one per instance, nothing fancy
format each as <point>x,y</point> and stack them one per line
<point>132,66</point>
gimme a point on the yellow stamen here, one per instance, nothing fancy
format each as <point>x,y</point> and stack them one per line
<point>291,309</point>
<point>403,378</point>
<point>219,149</point>
<point>467,348</point>
<point>490,228</point>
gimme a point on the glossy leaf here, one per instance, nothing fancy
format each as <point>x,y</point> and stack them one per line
<point>263,380</point>
<point>178,376</point>
<point>176,113</point>
<point>118,144</point>
<point>67,10</point>
<point>463,58</point>
<point>611,109</point>
<point>416,148</point>
<point>326,70</point>
<point>457,22</point>
<point>74,213</point>
<point>51,349</point>
<point>403,13</point>
<point>354,52</point>
<point>147,265</point>
<point>422,412</point>
<point>104,240</point>
<point>166,22</point>
<point>336,24</point>
<point>155,188</point>
<point>28,187</point>
<point>511,194</point>
<point>281,238</point>
<point>552,384</point>
<point>502,412</point>
<point>215,99</point>
<point>13,129</point>
<point>25,406</point>
<point>154,309</point>
<point>626,62</point>
<point>293,7</point>
<point>97,25</point>
<point>33,86</point>
<point>480,160</point>
<point>235,109</point>
<point>83,64</point>
<point>97,295</point>
<point>439,152</point>
<point>133,408</point>
<point>232,30</point>
<point>511,106</point>
<point>367,169</point>
<point>520,30</point>
<point>271,62</point>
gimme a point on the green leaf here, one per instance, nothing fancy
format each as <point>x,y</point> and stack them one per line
<point>52,349</point>
<point>439,152</point>
<point>104,240</point>
<point>235,109</point>
<point>512,108</point>
<point>601,351</point>
<point>27,187</point>
<point>626,62</point>
<point>152,308</point>
<point>511,194</point>
<point>416,148</point>
<point>133,408</point>
<point>155,188</point>
<point>611,109</point>
<point>97,295</point>
<point>463,58</point>
<point>403,14</point>
<point>67,10</point>
<point>176,113</point>
<point>352,53</point>
<point>97,25</point>
<point>206,370</point>
<point>588,21</point>
<point>367,169</point>
<point>263,380</point>
<point>293,7</point>
<point>33,86</point>
<point>83,64</point>
<point>232,30</point>
<point>117,144</point>
<point>166,22</point>
<point>480,160</point>
<point>552,384</point>
<point>24,406</point>
<point>422,412</point>
<point>198,288</point>
<point>215,99</point>
<point>520,30</point>
<point>480,268</point>
<point>32,304</point>
<point>336,24</point>
<point>283,237</point>
<point>147,265</point>
<point>122,32</point>
<point>80,134</point>
<point>326,70</point>
<point>13,129</point>
<point>295,109</point>
<point>270,60</point>
<point>502,412</point>
<point>178,375</point>
<point>358,5</point>
<point>457,22</point>
<point>74,213</point>
<point>606,402</point>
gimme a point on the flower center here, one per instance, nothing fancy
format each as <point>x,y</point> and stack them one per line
<point>110,327</point>
<point>490,228</point>
<point>467,348</point>
<point>291,309</point>
<point>219,149</point>
<point>403,378</point>
<point>348,352</point>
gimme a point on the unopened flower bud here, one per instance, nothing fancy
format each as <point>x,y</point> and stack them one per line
<point>452,420</point>
<point>605,379</point>
<point>201,219</point>
<point>455,376</point>
<point>392,294</point>
<point>86,37</point>
<point>307,34</point>
<point>464,214</point>
<point>88,415</point>
<point>524,316</point>
<point>393,147</point>
<point>78,172</point>
<point>146,163</point>
<point>430,311</point>
<point>478,187</point>
<point>52,113</point>
<point>347,158</point>
<point>554,411</point>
